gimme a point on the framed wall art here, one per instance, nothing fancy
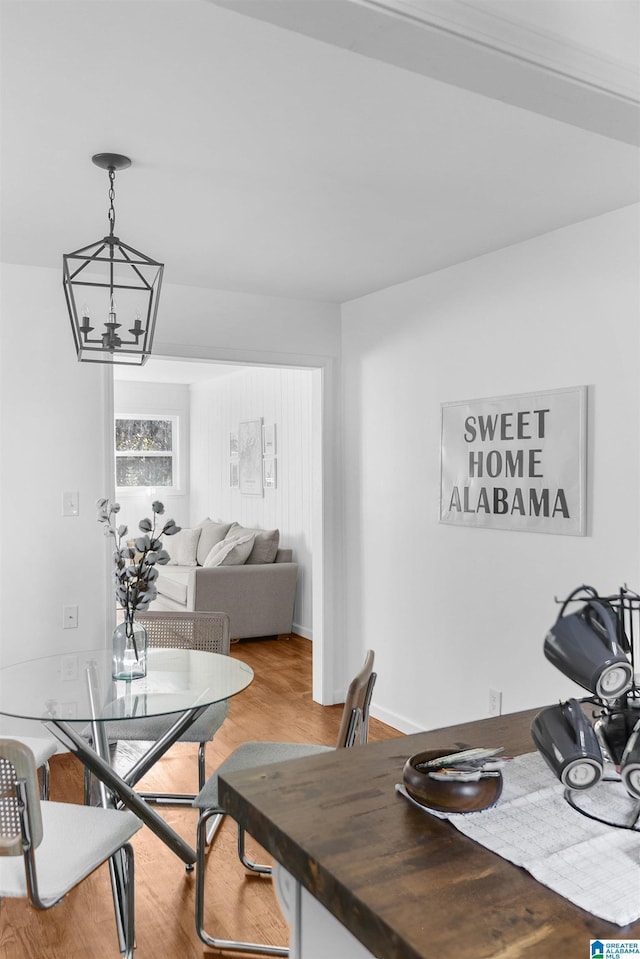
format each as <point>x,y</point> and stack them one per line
<point>269,473</point>
<point>516,462</point>
<point>250,458</point>
<point>269,439</point>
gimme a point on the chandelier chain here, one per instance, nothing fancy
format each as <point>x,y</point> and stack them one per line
<point>112,196</point>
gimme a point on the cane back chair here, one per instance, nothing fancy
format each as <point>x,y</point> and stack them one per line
<point>47,848</point>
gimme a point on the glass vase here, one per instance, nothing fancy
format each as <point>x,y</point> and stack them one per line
<point>129,650</point>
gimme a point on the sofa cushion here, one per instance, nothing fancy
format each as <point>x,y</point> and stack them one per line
<point>231,552</point>
<point>182,547</point>
<point>211,534</point>
<point>172,583</point>
<point>266,543</point>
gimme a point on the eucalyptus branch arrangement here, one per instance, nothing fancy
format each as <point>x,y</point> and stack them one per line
<point>135,566</point>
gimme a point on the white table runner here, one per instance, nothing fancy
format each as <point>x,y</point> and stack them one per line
<point>595,866</point>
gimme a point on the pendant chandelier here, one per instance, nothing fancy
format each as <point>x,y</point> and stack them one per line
<point>108,284</point>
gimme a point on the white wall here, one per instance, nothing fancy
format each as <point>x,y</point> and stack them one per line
<point>241,327</point>
<point>280,397</point>
<point>453,611</point>
<point>164,399</point>
<point>52,437</point>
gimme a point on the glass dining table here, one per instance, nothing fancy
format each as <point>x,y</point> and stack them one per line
<point>73,695</point>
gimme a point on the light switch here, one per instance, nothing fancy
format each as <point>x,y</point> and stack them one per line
<point>69,617</point>
<point>71,503</point>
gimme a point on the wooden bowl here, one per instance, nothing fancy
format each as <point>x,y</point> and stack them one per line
<point>448,796</point>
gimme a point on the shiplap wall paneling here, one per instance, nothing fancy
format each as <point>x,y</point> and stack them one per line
<point>275,396</point>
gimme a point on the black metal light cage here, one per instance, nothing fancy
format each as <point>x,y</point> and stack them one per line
<point>108,280</point>
<point>113,258</point>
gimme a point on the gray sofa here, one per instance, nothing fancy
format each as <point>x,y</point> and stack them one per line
<point>254,582</point>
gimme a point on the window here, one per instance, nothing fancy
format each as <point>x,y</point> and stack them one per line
<point>146,451</point>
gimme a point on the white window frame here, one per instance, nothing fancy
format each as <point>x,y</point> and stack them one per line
<point>174,453</point>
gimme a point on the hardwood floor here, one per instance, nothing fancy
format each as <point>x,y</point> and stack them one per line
<point>277,705</point>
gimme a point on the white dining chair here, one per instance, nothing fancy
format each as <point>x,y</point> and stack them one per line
<point>47,848</point>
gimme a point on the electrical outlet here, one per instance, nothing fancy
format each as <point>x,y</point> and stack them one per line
<point>495,702</point>
<point>69,667</point>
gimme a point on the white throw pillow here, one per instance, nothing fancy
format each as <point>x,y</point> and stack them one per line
<point>212,533</point>
<point>182,547</point>
<point>230,552</point>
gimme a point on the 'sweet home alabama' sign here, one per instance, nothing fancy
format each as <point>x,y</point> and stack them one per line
<point>516,462</point>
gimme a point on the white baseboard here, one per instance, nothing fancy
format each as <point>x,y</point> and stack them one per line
<point>301,631</point>
<point>401,723</point>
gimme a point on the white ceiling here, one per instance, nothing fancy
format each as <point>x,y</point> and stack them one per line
<point>270,161</point>
<point>611,29</point>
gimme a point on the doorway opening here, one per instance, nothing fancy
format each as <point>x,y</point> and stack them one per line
<point>205,401</point>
